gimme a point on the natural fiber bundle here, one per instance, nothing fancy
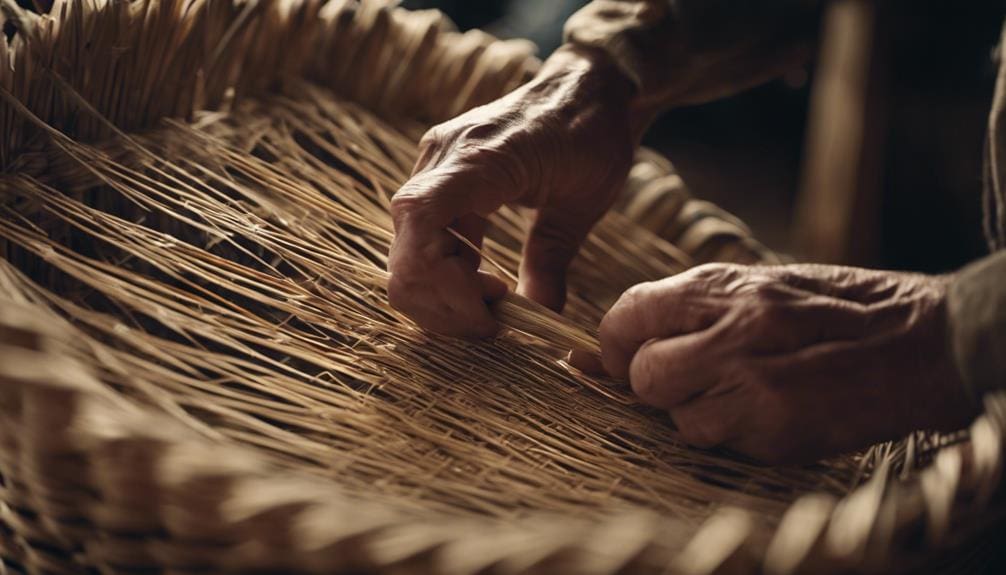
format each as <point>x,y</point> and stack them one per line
<point>199,370</point>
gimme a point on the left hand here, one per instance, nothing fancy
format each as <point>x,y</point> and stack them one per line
<point>561,143</point>
<point>789,363</point>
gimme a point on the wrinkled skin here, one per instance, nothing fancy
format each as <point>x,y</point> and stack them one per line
<point>781,364</point>
<point>562,144</point>
<point>788,363</point>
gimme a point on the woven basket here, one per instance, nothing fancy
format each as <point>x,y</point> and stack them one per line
<point>199,371</point>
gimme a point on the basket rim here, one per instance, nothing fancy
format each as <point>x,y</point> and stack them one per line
<point>956,490</point>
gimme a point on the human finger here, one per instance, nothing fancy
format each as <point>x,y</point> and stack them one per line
<point>552,243</point>
<point>436,287</point>
<point>663,309</point>
<point>665,373</point>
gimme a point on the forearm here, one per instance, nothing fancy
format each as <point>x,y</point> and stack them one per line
<point>977,310</point>
<point>681,52</point>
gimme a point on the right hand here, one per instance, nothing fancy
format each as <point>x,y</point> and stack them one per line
<point>562,144</point>
<point>788,364</point>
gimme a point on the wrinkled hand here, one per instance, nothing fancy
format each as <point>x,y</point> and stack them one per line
<point>789,363</point>
<point>563,144</point>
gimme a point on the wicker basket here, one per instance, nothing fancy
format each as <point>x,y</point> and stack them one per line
<point>175,396</point>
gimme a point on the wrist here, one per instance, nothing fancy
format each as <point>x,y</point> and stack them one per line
<point>954,404</point>
<point>599,79</point>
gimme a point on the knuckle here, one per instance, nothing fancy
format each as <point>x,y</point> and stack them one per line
<point>645,376</point>
<point>761,304</point>
<point>408,200</point>
<point>399,292</point>
<point>433,137</point>
<point>408,195</point>
<point>795,276</point>
<point>611,323</point>
<point>619,319</point>
<point>553,247</point>
<point>479,132</point>
<point>467,137</point>
<point>632,299</point>
<point>713,271</point>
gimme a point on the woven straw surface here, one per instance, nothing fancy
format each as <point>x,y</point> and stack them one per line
<point>199,370</point>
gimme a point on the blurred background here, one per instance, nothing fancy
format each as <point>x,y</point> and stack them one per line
<point>931,77</point>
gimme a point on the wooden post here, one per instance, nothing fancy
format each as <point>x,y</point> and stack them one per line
<point>838,207</point>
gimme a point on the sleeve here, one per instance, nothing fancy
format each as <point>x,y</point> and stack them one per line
<point>977,317</point>
<point>688,51</point>
<point>994,203</point>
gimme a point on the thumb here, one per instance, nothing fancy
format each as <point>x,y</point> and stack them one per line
<point>552,243</point>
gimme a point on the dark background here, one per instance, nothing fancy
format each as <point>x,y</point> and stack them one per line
<point>744,153</point>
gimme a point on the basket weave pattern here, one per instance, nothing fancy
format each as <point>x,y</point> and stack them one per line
<point>199,370</point>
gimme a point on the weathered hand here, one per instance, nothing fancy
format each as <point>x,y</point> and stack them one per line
<point>789,363</point>
<point>563,144</point>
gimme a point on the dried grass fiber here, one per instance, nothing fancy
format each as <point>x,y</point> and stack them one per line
<point>195,227</point>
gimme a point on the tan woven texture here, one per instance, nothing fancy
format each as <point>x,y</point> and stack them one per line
<point>199,370</point>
